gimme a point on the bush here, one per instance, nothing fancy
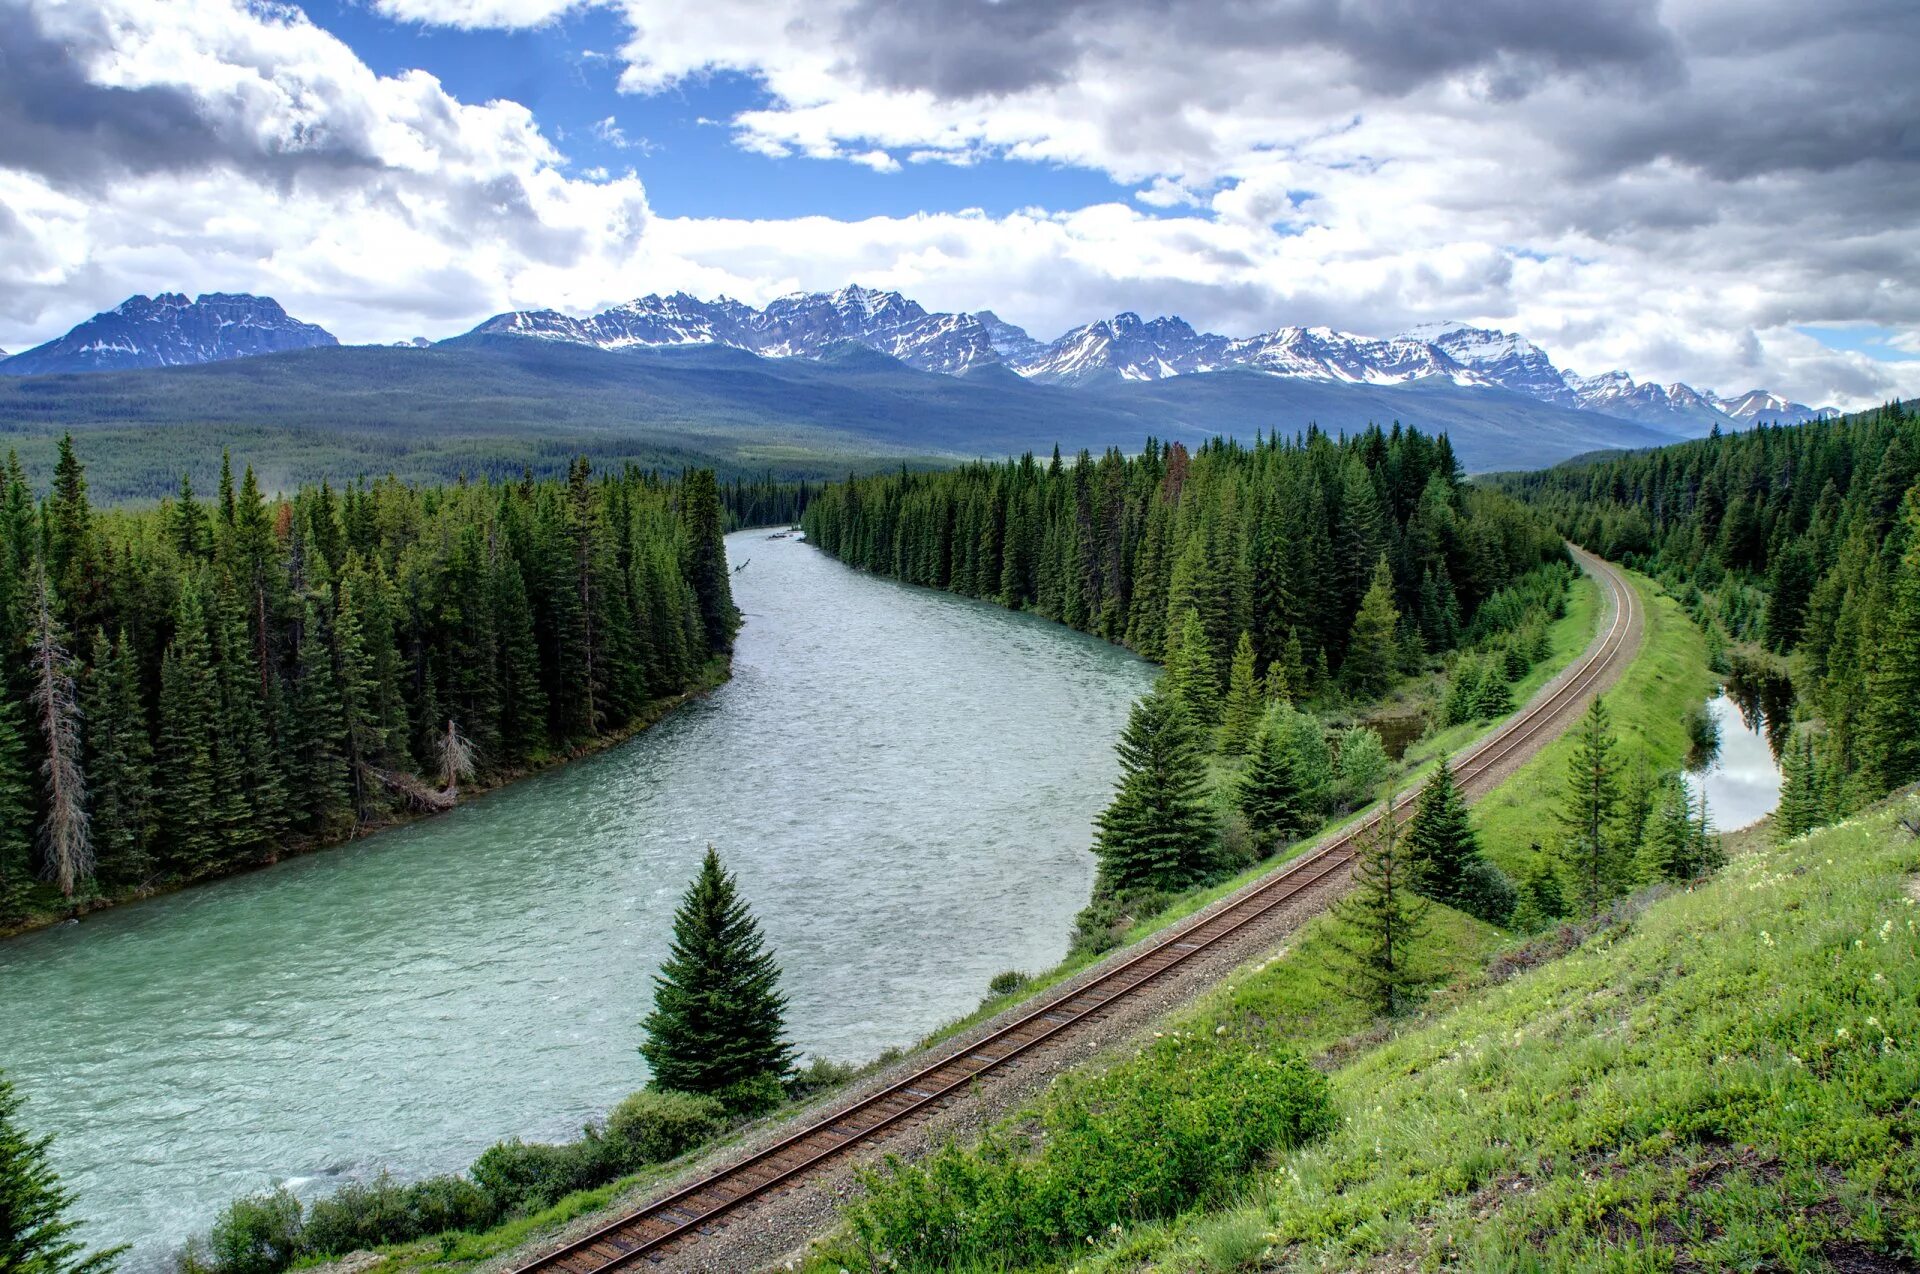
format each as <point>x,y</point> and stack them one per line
<point>1211,1108</point>
<point>259,1234</point>
<point>818,1075</point>
<point>754,1095</point>
<point>1007,983</point>
<point>525,1177</point>
<point>652,1127</point>
<point>1362,764</point>
<point>363,1214</point>
<point>1485,892</point>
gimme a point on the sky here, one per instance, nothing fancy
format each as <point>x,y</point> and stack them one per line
<point>1721,192</point>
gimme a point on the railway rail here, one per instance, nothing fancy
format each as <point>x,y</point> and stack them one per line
<point>682,1216</point>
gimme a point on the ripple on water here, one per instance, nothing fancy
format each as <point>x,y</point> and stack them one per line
<point>904,781</point>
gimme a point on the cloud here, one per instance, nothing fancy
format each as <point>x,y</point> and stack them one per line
<point>1676,188</point>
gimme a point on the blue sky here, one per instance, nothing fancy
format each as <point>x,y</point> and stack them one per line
<point>680,142</point>
<point>1600,176</point>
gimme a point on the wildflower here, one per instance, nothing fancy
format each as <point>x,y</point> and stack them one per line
<point>1220,1030</point>
<point>1873,1021</point>
<point>1794,1059</point>
<point>1879,977</point>
<point>1842,1034</point>
<point>1886,931</point>
<point>1766,939</point>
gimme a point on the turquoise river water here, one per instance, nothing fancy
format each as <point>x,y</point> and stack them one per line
<point>904,782</point>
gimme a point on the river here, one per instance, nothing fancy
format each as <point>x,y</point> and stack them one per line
<point>903,781</point>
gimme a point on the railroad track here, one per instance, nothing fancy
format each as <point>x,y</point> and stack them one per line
<point>682,1216</point>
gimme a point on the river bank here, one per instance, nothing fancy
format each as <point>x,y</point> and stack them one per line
<point>404,1001</point>
<point>714,675</point>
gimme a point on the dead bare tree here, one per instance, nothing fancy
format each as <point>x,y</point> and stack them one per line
<point>64,835</point>
<point>456,760</point>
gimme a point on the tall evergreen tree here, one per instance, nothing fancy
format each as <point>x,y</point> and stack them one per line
<point>1445,852</point>
<point>120,765</point>
<point>1891,735</point>
<point>717,1024</point>
<point>16,813</point>
<point>1244,700</point>
<point>1158,833</point>
<point>1802,799</point>
<point>1371,650</point>
<point>1274,792</point>
<point>189,843</point>
<point>1190,672</point>
<point>1381,920</point>
<point>37,1232</point>
<point>1587,809</point>
<point>705,557</point>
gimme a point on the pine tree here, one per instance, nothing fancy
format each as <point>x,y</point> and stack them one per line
<point>1274,687</point>
<point>1442,846</point>
<point>704,560</point>
<point>717,1022</point>
<point>1273,792</point>
<point>189,843</point>
<point>1242,712</point>
<point>16,812</point>
<point>1380,921</point>
<point>1672,850</point>
<point>1891,742</point>
<point>66,843</point>
<point>1190,673</point>
<point>1587,810</point>
<point>1540,900</point>
<point>1371,650</point>
<point>318,785</point>
<point>1158,833</point>
<point>120,765</point>
<point>36,1233</point>
<point>1802,801</point>
<point>523,700</point>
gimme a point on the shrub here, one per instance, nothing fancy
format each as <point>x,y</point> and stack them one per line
<point>1007,983</point>
<point>259,1234</point>
<point>1362,764</point>
<point>652,1127</point>
<point>1485,892</point>
<point>754,1095</point>
<point>818,1075</point>
<point>524,1176</point>
<point>1211,1108</point>
<point>364,1214</point>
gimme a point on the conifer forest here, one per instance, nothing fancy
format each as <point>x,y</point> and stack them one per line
<point>203,685</point>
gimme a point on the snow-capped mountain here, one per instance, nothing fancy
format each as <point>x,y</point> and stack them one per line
<point>1501,358</point>
<point>1320,353</point>
<point>1758,404</point>
<point>169,331</point>
<point>1127,346</point>
<point>802,325</point>
<point>1618,394</point>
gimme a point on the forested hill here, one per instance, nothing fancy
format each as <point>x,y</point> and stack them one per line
<point>1802,542</point>
<point>201,685</point>
<point>1280,540</point>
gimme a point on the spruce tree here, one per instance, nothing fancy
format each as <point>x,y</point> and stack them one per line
<point>1587,809</point>
<point>1159,831</point>
<point>120,765</point>
<point>189,843</point>
<point>1802,801</point>
<point>1273,791</point>
<point>16,812</point>
<point>317,765</point>
<point>1671,850</point>
<point>704,558</point>
<point>1190,672</point>
<point>1445,851</point>
<point>1380,921</point>
<point>36,1233</point>
<point>717,1022</point>
<point>1242,712</point>
<point>1372,652</point>
<point>1891,730</point>
<point>1540,900</point>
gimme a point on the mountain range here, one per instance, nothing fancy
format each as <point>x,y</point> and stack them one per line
<point>168,330</point>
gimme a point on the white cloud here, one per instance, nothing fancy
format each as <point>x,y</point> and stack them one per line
<point>1674,190</point>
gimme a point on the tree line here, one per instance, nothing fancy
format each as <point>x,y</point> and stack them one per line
<point>201,685</point>
<point>1802,543</point>
<point>1281,540</point>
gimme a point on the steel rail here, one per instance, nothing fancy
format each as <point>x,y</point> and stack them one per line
<point>684,1212</point>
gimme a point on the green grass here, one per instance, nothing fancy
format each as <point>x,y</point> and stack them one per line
<point>1723,1078</point>
<point>1669,675</point>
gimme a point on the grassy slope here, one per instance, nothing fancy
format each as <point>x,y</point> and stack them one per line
<point>1723,1079</point>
